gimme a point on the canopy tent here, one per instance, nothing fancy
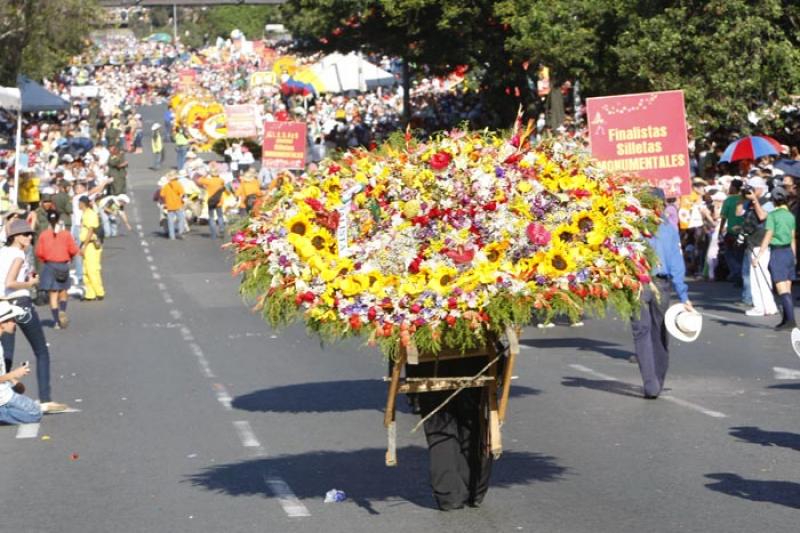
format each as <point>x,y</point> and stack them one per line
<point>36,98</point>
<point>28,97</point>
<point>341,73</point>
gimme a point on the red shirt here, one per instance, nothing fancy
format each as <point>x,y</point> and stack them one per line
<point>55,247</point>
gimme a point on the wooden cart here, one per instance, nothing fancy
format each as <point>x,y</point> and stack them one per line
<point>487,378</point>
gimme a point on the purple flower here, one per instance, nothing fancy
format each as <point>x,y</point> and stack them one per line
<point>499,172</point>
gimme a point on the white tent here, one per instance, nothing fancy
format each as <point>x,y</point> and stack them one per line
<point>341,73</point>
<point>11,98</point>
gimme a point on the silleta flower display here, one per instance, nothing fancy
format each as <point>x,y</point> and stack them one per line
<point>446,242</point>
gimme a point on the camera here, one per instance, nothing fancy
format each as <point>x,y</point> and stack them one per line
<point>746,189</point>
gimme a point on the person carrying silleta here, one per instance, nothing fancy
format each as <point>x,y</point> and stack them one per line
<point>649,328</point>
<point>780,240</point>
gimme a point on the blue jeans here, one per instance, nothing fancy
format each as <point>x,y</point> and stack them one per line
<point>110,224</point>
<point>181,152</point>
<point>158,158</point>
<point>747,296</point>
<point>20,410</point>
<point>212,225</point>
<point>32,329</point>
<point>77,261</point>
<point>172,216</point>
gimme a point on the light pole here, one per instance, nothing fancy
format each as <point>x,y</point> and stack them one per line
<point>175,24</point>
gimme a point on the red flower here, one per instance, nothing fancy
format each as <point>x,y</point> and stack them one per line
<point>580,193</point>
<point>440,160</point>
<point>315,204</point>
<point>626,233</point>
<point>460,255</point>
<point>491,206</point>
<point>415,264</point>
<point>538,234</point>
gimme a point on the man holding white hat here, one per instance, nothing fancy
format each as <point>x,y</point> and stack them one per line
<point>649,328</point>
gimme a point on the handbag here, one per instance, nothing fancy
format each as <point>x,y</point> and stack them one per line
<point>61,276</point>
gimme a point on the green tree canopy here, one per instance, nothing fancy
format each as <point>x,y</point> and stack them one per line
<point>38,37</point>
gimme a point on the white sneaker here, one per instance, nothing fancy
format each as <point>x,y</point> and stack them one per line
<point>548,325</point>
<point>578,324</point>
<point>754,312</point>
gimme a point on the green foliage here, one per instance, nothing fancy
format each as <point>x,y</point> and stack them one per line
<point>38,37</point>
<point>729,56</point>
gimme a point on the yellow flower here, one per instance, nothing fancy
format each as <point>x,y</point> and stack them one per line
<point>442,278</point>
<point>302,246</point>
<point>495,251</point>
<point>524,187</point>
<point>565,234</point>
<point>603,205</point>
<point>337,266</point>
<point>557,262</point>
<point>321,240</point>
<point>592,225</point>
<point>353,284</point>
<point>299,224</point>
<point>412,285</point>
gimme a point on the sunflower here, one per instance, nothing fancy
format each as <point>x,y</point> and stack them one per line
<point>495,251</point>
<point>604,206</point>
<point>302,246</point>
<point>353,284</point>
<point>412,285</point>
<point>299,224</point>
<point>442,278</point>
<point>566,235</point>
<point>331,185</point>
<point>321,240</point>
<point>557,262</point>
<point>336,267</point>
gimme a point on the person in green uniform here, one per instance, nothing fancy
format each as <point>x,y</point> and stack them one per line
<point>731,224</point>
<point>118,171</point>
<point>780,237</point>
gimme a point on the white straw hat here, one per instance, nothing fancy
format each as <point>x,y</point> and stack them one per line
<point>682,324</point>
<point>796,341</point>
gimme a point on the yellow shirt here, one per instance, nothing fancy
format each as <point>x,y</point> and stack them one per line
<point>172,194</point>
<point>246,188</point>
<point>89,220</point>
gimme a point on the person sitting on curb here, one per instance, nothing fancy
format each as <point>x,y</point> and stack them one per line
<point>15,408</point>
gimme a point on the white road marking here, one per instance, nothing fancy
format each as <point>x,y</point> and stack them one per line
<point>174,313</point>
<point>153,268</point>
<point>27,431</point>
<point>144,243</point>
<point>156,275</point>
<point>785,373</point>
<point>222,395</point>
<point>168,299</point>
<point>187,334</point>
<point>149,258</point>
<point>673,399</point>
<point>138,226</point>
<point>161,286</point>
<point>693,406</point>
<point>588,370</point>
<point>289,502</point>
<point>246,434</point>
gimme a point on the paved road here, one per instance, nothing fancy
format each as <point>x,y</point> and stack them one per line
<point>195,416</point>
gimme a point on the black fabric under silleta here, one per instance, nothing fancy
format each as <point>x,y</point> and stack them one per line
<point>460,462</point>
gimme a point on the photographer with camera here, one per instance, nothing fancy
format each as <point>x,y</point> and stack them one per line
<point>730,229</point>
<point>755,267</point>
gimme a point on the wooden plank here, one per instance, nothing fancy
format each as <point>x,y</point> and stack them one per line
<point>495,438</point>
<point>391,400</point>
<point>435,385</point>
<point>513,349</point>
<point>391,448</point>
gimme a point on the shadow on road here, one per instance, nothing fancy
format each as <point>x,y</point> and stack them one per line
<point>582,344</point>
<point>786,386</point>
<point>779,492</point>
<point>755,435</point>
<point>330,397</point>
<point>614,387</point>
<point>361,474</point>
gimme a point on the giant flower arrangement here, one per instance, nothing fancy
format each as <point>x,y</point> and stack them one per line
<point>446,243</point>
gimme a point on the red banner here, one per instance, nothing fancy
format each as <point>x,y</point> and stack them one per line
<point>284,145</point>
<point>642,134</point>
<point>241,121</point>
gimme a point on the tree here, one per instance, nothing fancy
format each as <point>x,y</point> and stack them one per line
<point>436,35</point>
<point>729,56</point>
<point>38,37</point>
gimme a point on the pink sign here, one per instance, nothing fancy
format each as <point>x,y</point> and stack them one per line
<point>241,121</point>
<point>643,134</point>
<point>284,145</point>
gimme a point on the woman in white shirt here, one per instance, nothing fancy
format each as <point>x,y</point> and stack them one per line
<point>18,279</point>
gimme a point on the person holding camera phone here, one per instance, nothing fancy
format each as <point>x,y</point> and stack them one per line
<point>755,267</point>
<point>18,279</point>
<point>15,408</point>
